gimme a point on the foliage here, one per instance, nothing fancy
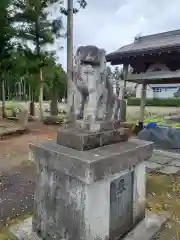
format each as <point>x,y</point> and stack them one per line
<point>117,73</point>
<point>109,71</point>
<point>82,4</point>
<point>35,27</point>
<point>55,78</point>
<point>160,121</point>
<point>167,102</point>
<point>24,22</point>
<point>24,69</point>
<point>7,33</point>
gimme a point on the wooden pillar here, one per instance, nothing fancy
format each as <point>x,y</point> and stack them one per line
<point>122,95</point>
<point>142,106</point>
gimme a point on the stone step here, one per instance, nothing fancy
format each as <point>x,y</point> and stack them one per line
<point>148,228</point>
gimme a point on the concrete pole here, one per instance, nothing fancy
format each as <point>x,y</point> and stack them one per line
<point>122,95</point>
<point>142,105</point>
<point>3,100</point>
<point>70,58</point>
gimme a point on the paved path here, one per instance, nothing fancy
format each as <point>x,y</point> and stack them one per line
<point>164,162</point>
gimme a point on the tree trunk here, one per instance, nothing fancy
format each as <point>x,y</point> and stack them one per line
<point>54,104</point>
<point>29,92</point>
<point>122,95</point>
<point>3,101</point>
<point>9,94</point>
<point>32,106</point>
<point>41,96</point>
<point>31,109</point>
<point>24,90</point>
<point>20,90</point>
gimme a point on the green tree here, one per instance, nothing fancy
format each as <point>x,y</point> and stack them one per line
<point>109,71</point>
<point>7,33</point>
<point>37,29</point>
<point>82,4</point>
<point>117,78</point>
<point>55,83</point>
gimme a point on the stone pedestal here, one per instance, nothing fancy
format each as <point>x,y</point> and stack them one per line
<point>94,194</point>
<point>97,194</point>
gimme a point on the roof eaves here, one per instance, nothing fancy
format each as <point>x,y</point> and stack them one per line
<point>110,57</point>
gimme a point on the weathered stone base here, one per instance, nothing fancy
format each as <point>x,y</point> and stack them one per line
<point>70,182</point>
<point>79,140</point>
<point>97,126</point>
<point>85,135</point>
<point>147,229</point>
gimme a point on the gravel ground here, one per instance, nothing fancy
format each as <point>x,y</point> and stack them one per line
<point>17,174</point>
<point>17,194</point>
<point>17,182</point>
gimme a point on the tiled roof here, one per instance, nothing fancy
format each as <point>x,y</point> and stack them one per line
<point>144,44</point>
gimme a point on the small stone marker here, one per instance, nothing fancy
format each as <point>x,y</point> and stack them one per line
<point>23,118</point>
<point>148,228</point>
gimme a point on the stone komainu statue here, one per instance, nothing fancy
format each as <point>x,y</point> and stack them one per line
<point>92,86</point>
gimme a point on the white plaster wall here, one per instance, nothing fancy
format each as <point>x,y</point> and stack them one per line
<point>168,93</point>
<point>149,91</point>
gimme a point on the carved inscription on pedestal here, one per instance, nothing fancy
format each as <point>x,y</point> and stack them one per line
<point>121,205</point>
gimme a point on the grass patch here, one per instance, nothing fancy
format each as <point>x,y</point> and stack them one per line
<point>163,196</point>
<point>158,120</point>
<point>5,235</point>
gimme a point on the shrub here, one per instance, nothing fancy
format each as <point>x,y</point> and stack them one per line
<point>166,102</point>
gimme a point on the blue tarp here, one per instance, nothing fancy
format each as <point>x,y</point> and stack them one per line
<point>163,136</point>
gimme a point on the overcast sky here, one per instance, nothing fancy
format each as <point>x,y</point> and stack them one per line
<point>109,24</point>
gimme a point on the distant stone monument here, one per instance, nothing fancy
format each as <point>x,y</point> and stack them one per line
<point>91,181</point>
<point>23,118</point>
